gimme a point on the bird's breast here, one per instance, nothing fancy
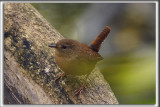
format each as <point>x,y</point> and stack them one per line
<point>74,66</point>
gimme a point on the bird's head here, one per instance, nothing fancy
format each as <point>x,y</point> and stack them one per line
<point>66,47</point>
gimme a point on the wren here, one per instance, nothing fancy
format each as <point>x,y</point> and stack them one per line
<point>76,58</point>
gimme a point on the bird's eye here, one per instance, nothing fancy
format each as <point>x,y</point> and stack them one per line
<point>64,47</point>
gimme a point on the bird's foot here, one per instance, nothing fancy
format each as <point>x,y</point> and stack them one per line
<point>60,75</point>
<point>79,91</point>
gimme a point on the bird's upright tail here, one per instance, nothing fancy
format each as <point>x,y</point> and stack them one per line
<point>96,43</point>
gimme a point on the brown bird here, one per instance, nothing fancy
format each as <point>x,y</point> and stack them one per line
<point>76,58</point>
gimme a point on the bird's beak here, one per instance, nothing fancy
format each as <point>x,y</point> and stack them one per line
<point>52,46</point>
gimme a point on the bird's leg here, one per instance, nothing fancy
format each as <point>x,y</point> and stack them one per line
<point>60,75</point>
<point>82,86</point>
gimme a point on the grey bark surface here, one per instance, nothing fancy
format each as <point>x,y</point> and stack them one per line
<point>29,67</point>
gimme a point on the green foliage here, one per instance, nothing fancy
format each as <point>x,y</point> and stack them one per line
<point>132,76</point>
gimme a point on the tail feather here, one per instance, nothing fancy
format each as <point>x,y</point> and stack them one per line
<point>96,44</point>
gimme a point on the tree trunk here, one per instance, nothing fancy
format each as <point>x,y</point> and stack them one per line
<point>29,67</point>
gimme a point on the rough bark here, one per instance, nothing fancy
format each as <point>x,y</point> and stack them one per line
<point>30,69</point>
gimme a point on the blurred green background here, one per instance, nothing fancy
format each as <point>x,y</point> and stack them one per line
<point>129,53</point>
